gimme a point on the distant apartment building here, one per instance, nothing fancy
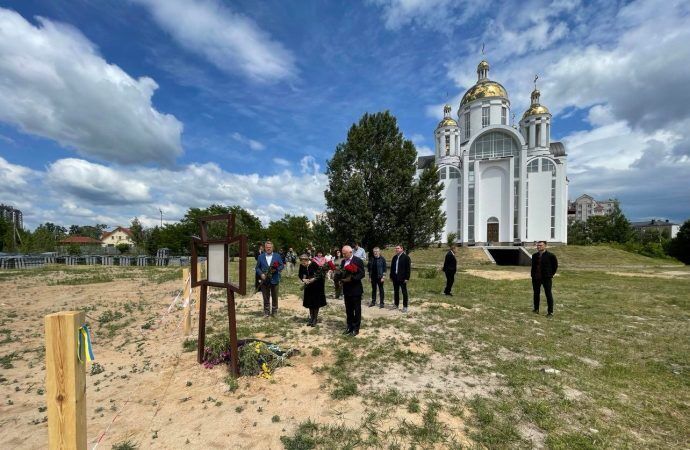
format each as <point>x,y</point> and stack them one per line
<point>586,206</point>
<point>13,215</point>
<point>666,228</point>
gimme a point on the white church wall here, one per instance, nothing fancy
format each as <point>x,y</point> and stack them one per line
<point>539,206</point>
<point>493,199</point>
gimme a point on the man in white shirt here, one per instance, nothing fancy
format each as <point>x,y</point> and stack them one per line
<point>359,252</point>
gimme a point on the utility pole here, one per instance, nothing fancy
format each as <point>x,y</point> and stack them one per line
<point>161,211</point>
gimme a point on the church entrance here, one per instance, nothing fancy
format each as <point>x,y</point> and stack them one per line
<point>492,230</point>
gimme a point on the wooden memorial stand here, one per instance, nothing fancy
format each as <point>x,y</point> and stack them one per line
<point>217,275</point>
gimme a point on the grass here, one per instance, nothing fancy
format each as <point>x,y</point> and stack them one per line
<point>621,346</point>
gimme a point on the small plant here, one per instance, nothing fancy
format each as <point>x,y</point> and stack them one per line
<point>232,383</point>
<point>189,383</point>
<point>125,445</point>
<point>428,274</point>
<point>189,345</point>
<point>413,405</point>
<point>239,409</point>
<point>96,369</point>
<point>110,316</point>
<point>275,419</point>
<point>316,351</point>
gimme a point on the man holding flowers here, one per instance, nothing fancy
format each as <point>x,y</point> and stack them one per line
<point>352,269</point>
<point>268,268</point>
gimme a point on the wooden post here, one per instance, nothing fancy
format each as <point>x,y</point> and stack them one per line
<point>186,298</point>
<point>202,324</point>
<point>197,290</point>
<point>232,323</point>
<point>65,381</point>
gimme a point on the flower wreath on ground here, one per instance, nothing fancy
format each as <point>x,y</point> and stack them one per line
<point>256,358</point>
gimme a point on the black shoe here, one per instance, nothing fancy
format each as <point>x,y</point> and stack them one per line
<point>372,304</point>
<point>549,315</point>
<point>535,311</point>
<point>449,294</point>
<point>381,306</point>
<point>355,332</point>
<point>348,331</point>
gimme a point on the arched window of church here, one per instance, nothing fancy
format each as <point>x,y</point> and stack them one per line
<point>548,166</point>
<point>453,172</point>
<point>533,166</point>
<point>442,173</point>
<point>494,144</point>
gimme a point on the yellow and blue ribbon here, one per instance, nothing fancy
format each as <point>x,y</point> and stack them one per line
<point>85,347</point>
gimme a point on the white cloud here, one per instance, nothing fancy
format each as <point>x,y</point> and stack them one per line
<point>55,84</point>
<point>253,144</point>
<point>281,162</point>
<point>16,183</point>
<point>441,15</point>
<point>230,41</point>
<point>78,191</point>
<point>309,165</point>
<point>423,150</point>
<point>96,183</point>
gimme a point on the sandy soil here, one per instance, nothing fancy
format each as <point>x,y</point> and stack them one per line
<point>499,274</point>
<point>668,274</point>
<point>156,395</point>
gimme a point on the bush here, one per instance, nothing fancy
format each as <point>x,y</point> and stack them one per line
<point>428,273</point>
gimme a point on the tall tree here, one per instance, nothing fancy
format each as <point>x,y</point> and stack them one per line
<point>423,220</point>
<point>290,231</point>
<point>680,245</point>
<point>137,230</point>
<point>371,187</point>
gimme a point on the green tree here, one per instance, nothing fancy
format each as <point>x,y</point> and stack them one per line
<point>612,227</point>
<point>423,220</point>
<point>679,247</point>
<point>371,188</point>
<point>122,248</point>
<point>578,233</point>
<point>322,237</point>
<point>137,231</point>
<point>290,231</point>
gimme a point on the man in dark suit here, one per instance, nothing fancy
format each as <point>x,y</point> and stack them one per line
<point>544,267</point>
<point>450,266</point>
<point>352,291</point>
<point>400,275</point>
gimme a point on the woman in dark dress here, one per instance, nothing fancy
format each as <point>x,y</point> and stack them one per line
<point>314,295</point>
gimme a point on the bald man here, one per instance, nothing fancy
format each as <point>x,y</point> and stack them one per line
<point>352,291</point>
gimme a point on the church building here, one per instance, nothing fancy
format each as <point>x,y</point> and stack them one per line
<point>502,184</point>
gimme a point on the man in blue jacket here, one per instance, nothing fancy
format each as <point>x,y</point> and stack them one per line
<point>267,263</point>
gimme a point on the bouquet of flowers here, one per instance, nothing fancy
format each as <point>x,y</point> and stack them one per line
<point>345,274</point>
<point>269,272</point>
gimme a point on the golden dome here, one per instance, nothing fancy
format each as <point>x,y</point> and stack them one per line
<point>447,122</point>
<point>535,110</point>
<point>484,89</point>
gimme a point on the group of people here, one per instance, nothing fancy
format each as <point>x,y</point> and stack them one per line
<point>347,268</point>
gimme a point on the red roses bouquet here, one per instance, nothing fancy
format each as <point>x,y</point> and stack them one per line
<point>269,272</point>
<point>344,275</point>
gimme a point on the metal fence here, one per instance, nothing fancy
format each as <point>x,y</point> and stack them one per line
<point>40,260</point>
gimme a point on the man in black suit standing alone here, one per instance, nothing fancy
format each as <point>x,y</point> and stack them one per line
<point>352,290</point>
<point>450,266</point>
<point>400,274</point>
<point>544,267</point>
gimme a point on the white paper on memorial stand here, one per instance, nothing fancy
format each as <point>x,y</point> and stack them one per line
<point>216,263</point>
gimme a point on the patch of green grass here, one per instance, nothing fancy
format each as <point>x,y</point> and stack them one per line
<point>110,316</point>
<point>125,445</point>
<point>6,361</point>
<point>189,345</point>
<point>231,383</point>
<point>83,279</point>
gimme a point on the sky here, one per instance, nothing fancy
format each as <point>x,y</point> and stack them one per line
<point>115,109</point>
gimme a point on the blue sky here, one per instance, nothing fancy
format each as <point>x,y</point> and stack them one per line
<point>114,109</point>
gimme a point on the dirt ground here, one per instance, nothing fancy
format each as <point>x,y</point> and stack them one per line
<point>154,394</point>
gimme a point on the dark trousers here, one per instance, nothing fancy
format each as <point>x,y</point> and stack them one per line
<point>450,279</point>
<point>397,287</point>
<point>536,286</point>
<point>353,311</point>
<point>376,283</point>
<point>270,291</point>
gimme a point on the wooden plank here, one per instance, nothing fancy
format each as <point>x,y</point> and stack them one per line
<point>186,299</point>
<point>65,381</point>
